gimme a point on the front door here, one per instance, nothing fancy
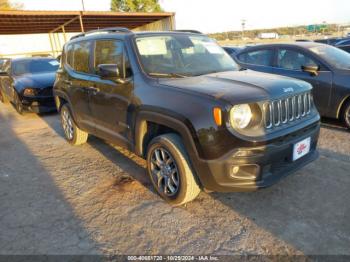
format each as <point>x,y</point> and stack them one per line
<point>289,63</point>
<point>109,98</point>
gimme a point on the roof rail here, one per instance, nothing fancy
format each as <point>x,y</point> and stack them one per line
<point>189,31</point>
<point>107,29</point>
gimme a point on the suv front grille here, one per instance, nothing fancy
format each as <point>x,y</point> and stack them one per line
<point>283,111</point>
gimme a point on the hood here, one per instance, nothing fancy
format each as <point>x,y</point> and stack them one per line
<point>41,80</point>
<point>240,86</point>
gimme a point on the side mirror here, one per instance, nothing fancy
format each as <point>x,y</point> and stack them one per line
<point>3,73</point>
<point>112,72</point>
<point>109,71</point>
<point>312,70</point>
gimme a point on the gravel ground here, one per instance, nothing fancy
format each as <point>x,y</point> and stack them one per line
<point>97,199</point>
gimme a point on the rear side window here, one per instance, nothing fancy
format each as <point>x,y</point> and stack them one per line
<point>69,56</point>
<point>108,52</point>
<point>260,57</point>
<point>81,57</point>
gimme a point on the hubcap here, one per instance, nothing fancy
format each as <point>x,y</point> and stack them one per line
<point>164,172</point>
<point>347,116</point>
<point>67,125</point>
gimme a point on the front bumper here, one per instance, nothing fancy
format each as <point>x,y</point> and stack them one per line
<point>270,163</point>
<point>39,104</point>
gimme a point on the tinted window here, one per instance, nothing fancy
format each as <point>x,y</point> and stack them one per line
<point>109,52</point>
<point>293,60</point>
<point>34,66</point>
<point>231,51</point>
<point>335,56</point>
<point>346,48</point>
<point>81,57</point>
<point>260,57</point>
<point>69,55</point>
<point>343,42</point>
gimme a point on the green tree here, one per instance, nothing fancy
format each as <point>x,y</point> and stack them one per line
<point>135,6</point>
<point>7,5</point>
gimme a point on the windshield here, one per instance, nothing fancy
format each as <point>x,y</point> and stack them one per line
<point>182,55</point>
<point>334,56</point>
<point>34,66</point>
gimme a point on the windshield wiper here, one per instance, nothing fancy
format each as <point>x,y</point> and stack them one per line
<point>167,74</point>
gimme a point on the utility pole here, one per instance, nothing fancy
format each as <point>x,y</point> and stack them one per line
<point>82,3</point>
<point>243,21</point>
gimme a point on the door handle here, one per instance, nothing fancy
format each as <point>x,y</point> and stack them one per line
<point>67,82</point>
<point>93,89</point>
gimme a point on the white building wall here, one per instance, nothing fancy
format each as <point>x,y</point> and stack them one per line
<point>22,45</point>
<point>25,45</point>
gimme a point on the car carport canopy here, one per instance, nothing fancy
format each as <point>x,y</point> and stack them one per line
<point>34,22</point>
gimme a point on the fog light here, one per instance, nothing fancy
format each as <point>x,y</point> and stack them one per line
<point>247,172</point>
<point>235,170</point>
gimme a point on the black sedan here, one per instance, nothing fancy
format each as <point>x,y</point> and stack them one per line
<point>343,44</point>
<point>326,67</point>
<point>27,83</point>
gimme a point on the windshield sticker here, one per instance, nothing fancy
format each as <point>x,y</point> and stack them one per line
<point>54,63</point>
<point>212,48</point>
<point>152,46</point>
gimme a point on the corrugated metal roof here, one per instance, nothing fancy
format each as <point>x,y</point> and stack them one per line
<point>33,22</point>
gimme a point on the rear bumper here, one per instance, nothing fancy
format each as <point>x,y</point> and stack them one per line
<point>39,104</point>
<point>261,166</point>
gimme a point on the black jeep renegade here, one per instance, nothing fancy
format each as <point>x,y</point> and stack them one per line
<point>178,100</point>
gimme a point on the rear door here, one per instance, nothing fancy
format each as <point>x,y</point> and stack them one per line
<point>257,59</point>
<point>289,62</point>
<point>111,98</point>
<point>77,82</point>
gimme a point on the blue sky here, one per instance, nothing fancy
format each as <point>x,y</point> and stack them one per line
<point>223,15</point>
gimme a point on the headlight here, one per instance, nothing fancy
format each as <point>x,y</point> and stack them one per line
<point>29,92</point>
<point>240,116</point>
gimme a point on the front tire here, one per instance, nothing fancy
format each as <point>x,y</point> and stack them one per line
<point>346,115</point>
<point>170,170</point>
<point>73,134</point>
<point>3,97</point>
<point>18,104</point>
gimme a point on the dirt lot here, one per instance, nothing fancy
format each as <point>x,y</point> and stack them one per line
<point>96,199</point>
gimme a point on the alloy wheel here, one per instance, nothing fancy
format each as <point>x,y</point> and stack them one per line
<point>164,172</point>
<point>67,125</point>
<point>347,116</point>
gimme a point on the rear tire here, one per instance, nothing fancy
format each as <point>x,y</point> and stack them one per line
<point>346,114</point>
<point>170,170</point>
<point>73,134</point>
